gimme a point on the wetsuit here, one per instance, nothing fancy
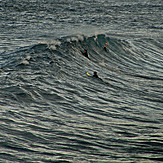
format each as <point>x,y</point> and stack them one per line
<point>95,75</point>
<point>105,48</point>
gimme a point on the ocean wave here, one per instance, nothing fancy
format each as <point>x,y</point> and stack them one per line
<point>51,109</point>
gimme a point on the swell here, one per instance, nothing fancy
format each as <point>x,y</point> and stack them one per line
<point>50,107</point>
<point>47,70</point>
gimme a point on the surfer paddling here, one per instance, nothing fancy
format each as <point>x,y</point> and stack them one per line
<point>96,76</point>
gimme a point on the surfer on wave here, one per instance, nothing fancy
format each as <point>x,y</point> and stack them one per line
<point>85,53</point>
<point>105,46</point>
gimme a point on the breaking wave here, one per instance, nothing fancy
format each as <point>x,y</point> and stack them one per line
<point>50,107</point>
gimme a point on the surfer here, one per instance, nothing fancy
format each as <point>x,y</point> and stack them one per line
<point>85,53</point>
<point>96,76</point>
<point>105,46</point>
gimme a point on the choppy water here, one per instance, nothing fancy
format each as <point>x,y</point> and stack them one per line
<point>51,111</point>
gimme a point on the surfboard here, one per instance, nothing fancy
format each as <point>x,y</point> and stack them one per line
<point>88,74</point>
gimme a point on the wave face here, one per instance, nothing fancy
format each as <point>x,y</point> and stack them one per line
<point>51,111</point>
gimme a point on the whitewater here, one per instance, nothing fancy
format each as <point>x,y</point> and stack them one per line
<point>51,110</point>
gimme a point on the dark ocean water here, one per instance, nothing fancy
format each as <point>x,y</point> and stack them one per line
<point>51,111</point>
